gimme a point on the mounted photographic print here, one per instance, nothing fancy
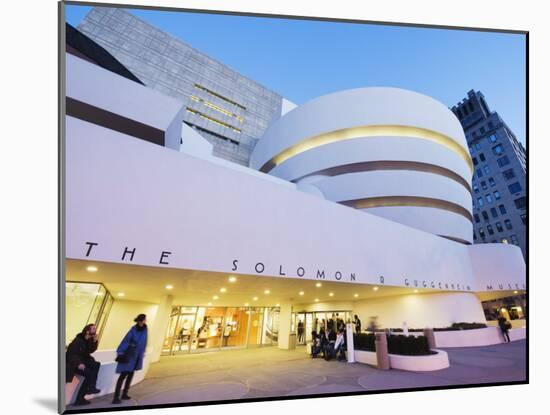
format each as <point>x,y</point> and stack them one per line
<point>260,207</point>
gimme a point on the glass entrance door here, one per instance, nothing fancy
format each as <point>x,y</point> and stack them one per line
<point>207,332</point>
<point>184,329</point>
<point>235,327</point>
<point>255,331</point>
<point>178,333</point>
<point>199,329</point>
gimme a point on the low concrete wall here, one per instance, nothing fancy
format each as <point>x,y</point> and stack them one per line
<point>363,356</point>
<point>107,377</point>
<point>411,363</point>
<point>420,363</point>
<point>478,337</point>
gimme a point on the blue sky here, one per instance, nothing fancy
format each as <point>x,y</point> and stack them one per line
<point>305,59</point>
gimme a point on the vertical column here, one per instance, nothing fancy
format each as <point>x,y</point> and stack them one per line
<point>381,346</point>
<point>349,342</point>
<point>285,315</point>
<point>430,337</point>
<point>158,329</point>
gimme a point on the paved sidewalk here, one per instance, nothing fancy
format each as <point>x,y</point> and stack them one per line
<point>268,372</point>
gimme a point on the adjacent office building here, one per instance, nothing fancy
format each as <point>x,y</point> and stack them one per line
<point>499,197</point>
<point>228,109</point>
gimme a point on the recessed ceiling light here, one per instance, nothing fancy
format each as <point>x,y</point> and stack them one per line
<point>356,295</point>
<point>318,285</point>
<point>215,297</point>
<point>316,300</point>
<point>277,305</point>
<point>375,288</point>
<point>91,268</point>
<point>267,292</point>
<point>169,287</point>
<point>121,294</point>
<point>223,289</point>
<point>301,293</point>
<point>232,279</point>
<point>255,298</point>
<point>209,303</point>
<point>415,291</point>
<point>516,291</point>
<point>246,304</point>
<point>331,294</point>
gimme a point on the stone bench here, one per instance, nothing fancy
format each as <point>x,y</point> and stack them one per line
<point>107,376</point>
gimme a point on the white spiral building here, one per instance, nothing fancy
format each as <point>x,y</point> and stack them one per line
<point>391,152</point>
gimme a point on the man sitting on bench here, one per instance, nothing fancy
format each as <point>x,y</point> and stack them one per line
<point>80,362</point>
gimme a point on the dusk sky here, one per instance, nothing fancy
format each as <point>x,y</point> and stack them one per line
<point>302,59</point>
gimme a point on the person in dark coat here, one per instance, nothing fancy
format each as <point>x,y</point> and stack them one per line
<point>130,354</point>
<point>331,340</point>
<point>504,327</point>
<point>80,362</point>
<point>357,324</point>
<point>300,332</point>
<point>323,341</point>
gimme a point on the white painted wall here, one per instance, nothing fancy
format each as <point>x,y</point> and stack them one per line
<point>355,107</point>
<point>287,106</point>
<point>325,306</point>
<point>435,221</point>
<point>499,275</point>
<point>421,310</point>
<point>89,83</point>
<point>374,106</point>
<point>194,144</point>
<point>121,319</point>
<point>221,214</point>
<point>371,149</point>
<point>394,183</point>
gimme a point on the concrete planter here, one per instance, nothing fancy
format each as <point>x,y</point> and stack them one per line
<point>477,337</point>
<point>420,363</point>
<point>411,363</point>
<point>107,377</point>
<point>363,356</point>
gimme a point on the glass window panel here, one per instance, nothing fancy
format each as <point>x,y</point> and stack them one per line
<point>208,328</point>
<point>235,327</point>
<point>85,303</point>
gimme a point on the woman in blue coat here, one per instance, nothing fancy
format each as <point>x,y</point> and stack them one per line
<point>130,354</point>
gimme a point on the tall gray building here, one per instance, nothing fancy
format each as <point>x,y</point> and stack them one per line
<point>498,186</point>
<point>228,109</point>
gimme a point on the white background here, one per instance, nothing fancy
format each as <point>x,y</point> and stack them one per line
<point>28,225</point>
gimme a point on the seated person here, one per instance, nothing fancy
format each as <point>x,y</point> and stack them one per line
<point>329,349</point>
<point>80,362</point>
<point>315,344</point>
<point>340,345</point>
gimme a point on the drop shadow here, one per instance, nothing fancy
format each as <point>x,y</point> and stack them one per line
<point>48,403</point>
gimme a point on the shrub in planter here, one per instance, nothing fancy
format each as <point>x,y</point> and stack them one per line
<point>469,326</point>
<point>364,341</point>
<point>408,345</point>
<point>453,327</point>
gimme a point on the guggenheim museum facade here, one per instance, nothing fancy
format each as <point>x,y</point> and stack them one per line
<point>228,214</point>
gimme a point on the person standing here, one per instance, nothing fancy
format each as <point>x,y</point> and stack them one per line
<point>504,327</point>
<point>323,341</point>
<point>357,324</point>
<point>80,362</point>
<point>340,346</point>
<point>300,332</point>
<point>130,354</point>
